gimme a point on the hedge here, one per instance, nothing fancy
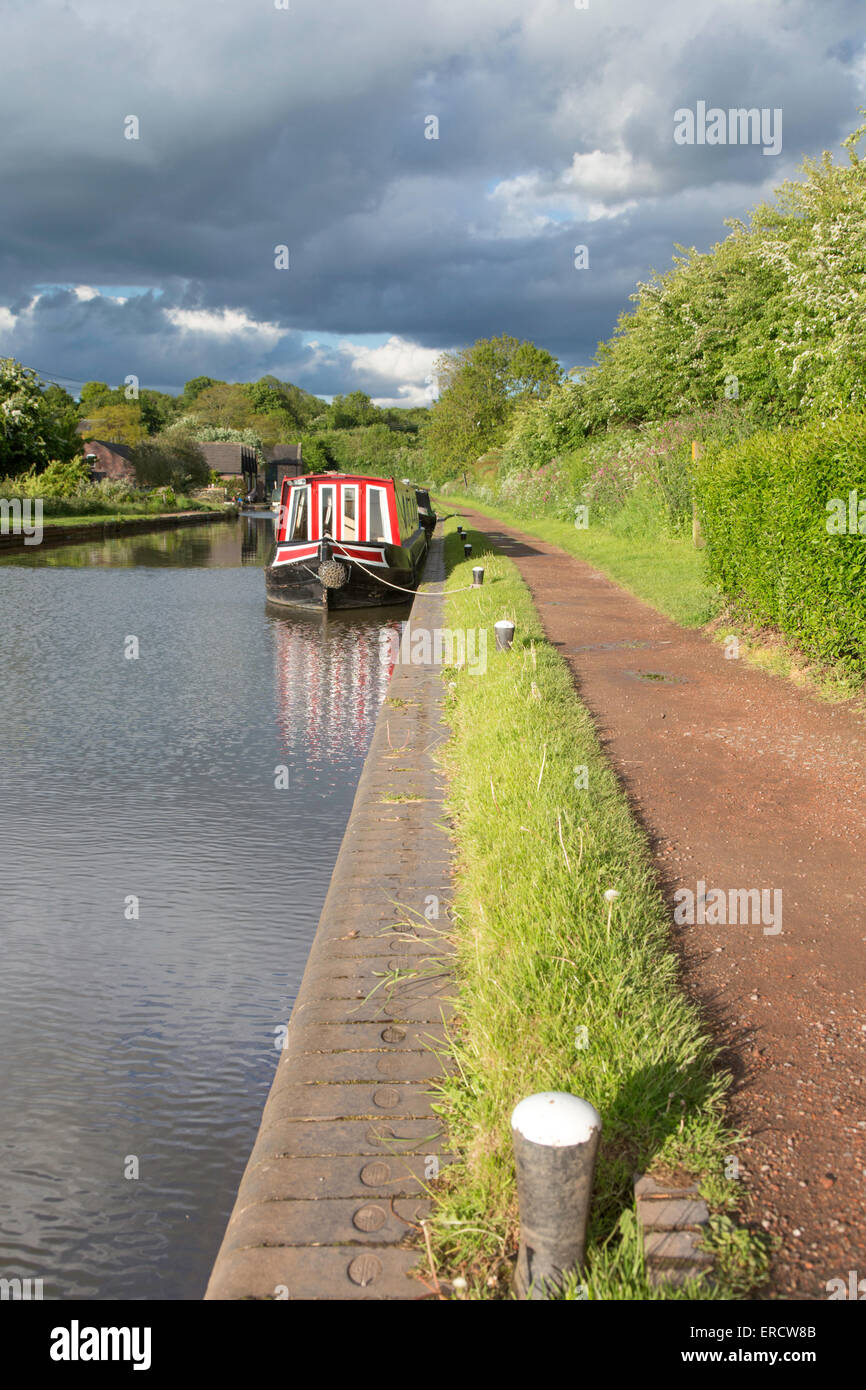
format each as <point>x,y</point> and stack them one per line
<point>776,513</point>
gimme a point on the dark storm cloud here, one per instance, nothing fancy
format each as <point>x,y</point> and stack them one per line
<point>260,127</point>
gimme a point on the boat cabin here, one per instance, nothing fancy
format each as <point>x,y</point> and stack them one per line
<point>347,508</point>
<point>359,537</point>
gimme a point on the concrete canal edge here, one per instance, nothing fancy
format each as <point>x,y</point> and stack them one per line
<point>98,530</point>
<point>334,1187</point>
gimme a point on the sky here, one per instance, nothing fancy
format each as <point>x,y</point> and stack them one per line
<point>429,166</point>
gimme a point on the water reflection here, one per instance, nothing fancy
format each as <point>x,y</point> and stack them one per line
<point>245,540</point>
<point>332,674</point>
<point>153,1035</point>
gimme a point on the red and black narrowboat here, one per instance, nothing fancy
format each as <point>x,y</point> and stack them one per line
<point>343,541</point>
<point>426,514</point>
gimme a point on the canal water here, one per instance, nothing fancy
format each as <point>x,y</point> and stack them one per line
<point>161,885</point>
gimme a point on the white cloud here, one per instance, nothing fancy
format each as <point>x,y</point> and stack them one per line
<point>396,358</point>
<point>224,323</point>
<point>596,185</point>
<point>396,363</point>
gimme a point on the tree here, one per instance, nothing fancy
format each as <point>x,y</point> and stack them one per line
<point>480,389</point>
<point>33,431</point>
<point>171,460</point>
<point>317,454</point>
<point>289,406</point>
<point>772,316</point>
<point>224,404</point>
<point>66,441</point>
<point>158,410</point>
<point>347,412</point>
<point>97,393</point>
<point>195,386</point>
<point>120,423</point>
<point>193,428</point>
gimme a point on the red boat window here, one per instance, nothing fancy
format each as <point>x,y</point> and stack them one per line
<point>326,513</point>
<point>350,513</point>
<point>377,525</point>
<point>299,520</point>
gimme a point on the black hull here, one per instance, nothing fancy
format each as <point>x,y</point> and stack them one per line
<point>297,586</point>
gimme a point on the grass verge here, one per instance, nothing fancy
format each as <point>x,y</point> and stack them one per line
<point>560,990</point>
<point>134,513</point>
<point>665,572</point>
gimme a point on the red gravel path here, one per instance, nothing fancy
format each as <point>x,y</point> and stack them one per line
<point>742,781</point>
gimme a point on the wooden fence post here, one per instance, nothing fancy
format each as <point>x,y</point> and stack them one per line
<point>697,539</point>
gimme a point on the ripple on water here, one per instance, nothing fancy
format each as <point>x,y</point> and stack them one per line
<point>152,1036</point>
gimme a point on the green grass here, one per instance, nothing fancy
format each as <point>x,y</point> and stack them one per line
<point>542,956</point>
<point>667,573</point>
<point>135,512</point>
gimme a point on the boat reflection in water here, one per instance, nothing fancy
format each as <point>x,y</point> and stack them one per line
<point>332,674</point>
<point>257,536</point>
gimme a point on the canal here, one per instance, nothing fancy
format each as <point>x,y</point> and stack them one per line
<point>162,885</point>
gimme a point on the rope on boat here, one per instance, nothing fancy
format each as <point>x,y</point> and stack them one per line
<point>428,593</point>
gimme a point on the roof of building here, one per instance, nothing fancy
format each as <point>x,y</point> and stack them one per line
<point>229,457</point>
<point>282,453</point>
<point>124,451</point>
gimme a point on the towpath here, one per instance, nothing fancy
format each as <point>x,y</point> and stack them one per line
<point>744,782</point>
<point>332,1198</point>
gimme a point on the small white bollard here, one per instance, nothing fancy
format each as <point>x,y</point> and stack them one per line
<point>504,633</point>
<point>477,576</point>
<point>555,1145</point>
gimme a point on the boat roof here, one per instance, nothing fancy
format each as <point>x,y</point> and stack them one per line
<point>333,477</point>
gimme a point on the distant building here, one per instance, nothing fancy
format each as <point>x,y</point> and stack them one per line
<point>236,464</point>
<point>108,459</point>
<point>281,461</point>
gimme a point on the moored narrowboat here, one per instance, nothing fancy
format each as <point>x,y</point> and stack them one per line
<point>346,541</point>
<point>425,510</point>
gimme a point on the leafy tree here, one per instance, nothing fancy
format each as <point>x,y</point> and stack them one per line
<point>347,412</point>
<point>220,434</point>
<point>481,387</point>
<point>541,430</point>
<point>406,420</point>
<point>120,423</point>
<point>291,407</point>
<point>63,408</point>
<point>97,393</point>
<point>317,454</point>
<point>771,316</point>
<point>170,460</point>
<point>195,386</point>
<point>32,430</point>
<point>158,410</point>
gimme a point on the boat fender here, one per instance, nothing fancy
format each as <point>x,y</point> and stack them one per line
<point>332,574</point>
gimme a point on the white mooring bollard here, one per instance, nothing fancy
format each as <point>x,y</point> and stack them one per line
<point>477,576</point>
<point>555,1144</point>
<point>504,633</point>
